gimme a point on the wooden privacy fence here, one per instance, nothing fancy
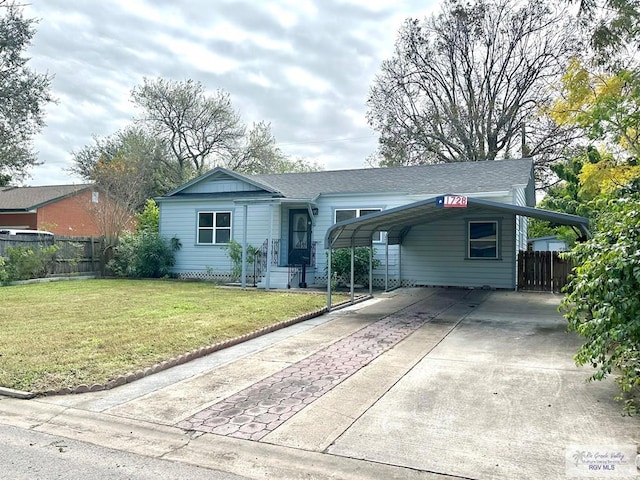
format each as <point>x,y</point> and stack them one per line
<point>543,271</point>
<point>76,255</point>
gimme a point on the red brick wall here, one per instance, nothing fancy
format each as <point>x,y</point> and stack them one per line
<point>22,220</point>
<point>70,216</point>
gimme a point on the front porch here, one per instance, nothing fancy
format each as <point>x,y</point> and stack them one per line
<point>276,268</point>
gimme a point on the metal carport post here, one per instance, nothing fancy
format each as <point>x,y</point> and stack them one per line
<point>329,272</point>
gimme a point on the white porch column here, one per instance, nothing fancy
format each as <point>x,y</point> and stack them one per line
<point>267,277</point>
<point>371,267</point>
<point>386,262</point>
<point>243,281</point>
<point>400,264</point>
<point>353,268</point>
<point>329,278</point>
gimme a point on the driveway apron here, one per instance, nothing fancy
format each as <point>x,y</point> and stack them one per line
<point>259,409</point>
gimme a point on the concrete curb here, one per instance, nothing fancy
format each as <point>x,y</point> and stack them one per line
<point>10,392</point>
<point>186,357</point>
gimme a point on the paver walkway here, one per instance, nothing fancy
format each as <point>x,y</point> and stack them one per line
<point>257,410</point>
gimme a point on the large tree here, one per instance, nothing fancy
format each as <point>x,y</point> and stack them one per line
<point>199,129</point>
<point>605,106</point>
<point>471,83</point>
<point>23,94</point>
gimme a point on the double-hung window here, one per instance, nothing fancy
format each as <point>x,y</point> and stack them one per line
<point>349,213</point>
<point>483,239</point>
<point>214,227</point>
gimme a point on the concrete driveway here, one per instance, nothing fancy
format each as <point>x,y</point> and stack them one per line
<point>416,383</point>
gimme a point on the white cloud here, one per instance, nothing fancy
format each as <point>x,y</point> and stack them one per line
<point>199,56</point>
<point>260,79</point>
<point>304,79</point>
<point>305,66</point>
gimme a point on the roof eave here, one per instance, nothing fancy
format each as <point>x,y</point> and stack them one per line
<point>216,170</point>
<point>375,221</point>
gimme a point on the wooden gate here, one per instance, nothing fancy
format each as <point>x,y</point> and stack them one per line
<point>543,271</point>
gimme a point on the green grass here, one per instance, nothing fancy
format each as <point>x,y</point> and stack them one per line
<point>65,334</point>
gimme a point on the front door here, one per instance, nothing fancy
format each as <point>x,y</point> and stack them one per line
<point>299,237</point>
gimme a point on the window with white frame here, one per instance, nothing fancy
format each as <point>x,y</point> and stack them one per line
<point>483,239</point>
<point>349,213</point>
<point>214,227</point>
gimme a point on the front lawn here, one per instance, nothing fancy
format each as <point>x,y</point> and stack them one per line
<point>65,334</point>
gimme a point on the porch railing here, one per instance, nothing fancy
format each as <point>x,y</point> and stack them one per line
<point>314,246</point>
<point>263,254</point>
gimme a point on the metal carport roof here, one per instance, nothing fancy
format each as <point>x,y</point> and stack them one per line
<point>398,221</point>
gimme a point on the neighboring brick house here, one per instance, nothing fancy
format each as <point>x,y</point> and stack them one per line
<point>60,209</point>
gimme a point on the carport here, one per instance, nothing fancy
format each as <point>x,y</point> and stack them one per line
<point>398,222</point>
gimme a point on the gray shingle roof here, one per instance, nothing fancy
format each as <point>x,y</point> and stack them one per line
<point>27,198</point>
<point>463,177</point>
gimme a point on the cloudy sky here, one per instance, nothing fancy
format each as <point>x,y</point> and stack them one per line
<point>305,66</point>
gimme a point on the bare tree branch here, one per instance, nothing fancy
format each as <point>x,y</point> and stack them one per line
<point>463,84</point>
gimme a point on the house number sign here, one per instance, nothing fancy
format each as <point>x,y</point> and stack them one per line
<point>452,201</point>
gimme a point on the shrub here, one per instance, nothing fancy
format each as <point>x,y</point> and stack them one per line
<point>234,250</point>
<point>24,263</point>
<point>602,302</point>
<point>4,274</point>
<point>144,255</point>
<point>341,265</point>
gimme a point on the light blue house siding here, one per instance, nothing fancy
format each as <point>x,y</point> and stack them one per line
<point>327,207</point>
<point>436,254</point>
<point>180,219</point>
<point>432,253</point>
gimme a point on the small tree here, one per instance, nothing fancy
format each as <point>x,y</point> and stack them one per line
<point>149,218</point>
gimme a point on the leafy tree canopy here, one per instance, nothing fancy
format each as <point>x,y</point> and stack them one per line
<point>606,106</point>
<point>613,25</point>
<point>23,94</point>
<point>197,128</point>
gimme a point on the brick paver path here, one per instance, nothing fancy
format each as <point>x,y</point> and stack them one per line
<point>256,411</point>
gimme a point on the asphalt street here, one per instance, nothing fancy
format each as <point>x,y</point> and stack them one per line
<point>31,455</point>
